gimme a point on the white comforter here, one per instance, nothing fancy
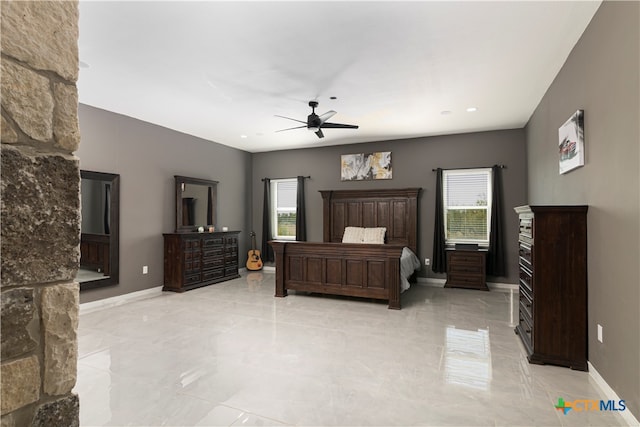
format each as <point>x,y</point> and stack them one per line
<point>409,262</point>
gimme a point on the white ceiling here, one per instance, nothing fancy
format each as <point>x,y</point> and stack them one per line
<point>220,70</point>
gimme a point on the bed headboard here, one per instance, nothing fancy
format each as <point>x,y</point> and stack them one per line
<point>397,210</point>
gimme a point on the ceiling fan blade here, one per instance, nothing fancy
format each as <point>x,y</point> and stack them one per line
<point>289,118</point>
<point>326,116</point>
<point>338,126</point>
<point>297,127</point>
<point>320,134</point>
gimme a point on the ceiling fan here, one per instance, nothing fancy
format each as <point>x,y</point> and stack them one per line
<point>316,122</point>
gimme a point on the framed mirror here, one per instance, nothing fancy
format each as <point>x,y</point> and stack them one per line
<point>196,203</point>
<point>100,230</point>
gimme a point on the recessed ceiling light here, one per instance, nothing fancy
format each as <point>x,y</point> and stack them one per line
<point>243,136</point>
<point>471,109</point>
<point>445,112</point>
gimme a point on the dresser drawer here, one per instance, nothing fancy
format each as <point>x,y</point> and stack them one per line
<point>191,244</point>
<point>191,279</point>
<point>526,291</point>
<point>465,279</point>
<point>192,266</point>
<point>191,255</point>
<point>525,255</point>
<point>210,263</point>
<point>463,268</point>
<point>526,326</point>
<point>468,258</point>
<point>526,279</point>
<point>212,241</point>
<point>212,252</point>
<point>526,225</point>
<point>526,304</point>
<point>213,274</point>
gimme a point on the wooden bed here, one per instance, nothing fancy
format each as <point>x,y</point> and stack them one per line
<point>357,270</point>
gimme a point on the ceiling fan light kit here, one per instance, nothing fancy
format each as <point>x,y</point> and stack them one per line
<point>316,123</point>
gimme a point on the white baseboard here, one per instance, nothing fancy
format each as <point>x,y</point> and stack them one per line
<point>502,286</point>
<point>265,269</point>
<point>89,307</point>
<point>628,417</point>
<point>439,283</point>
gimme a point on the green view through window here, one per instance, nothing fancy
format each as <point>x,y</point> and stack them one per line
<point>467,205</point>
<point>284,192</point>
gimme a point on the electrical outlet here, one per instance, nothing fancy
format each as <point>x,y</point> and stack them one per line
<point>600,332</point>
<point>427,261</point>
<point>145,269</point>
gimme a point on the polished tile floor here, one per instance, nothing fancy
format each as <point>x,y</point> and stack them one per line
<point>232,354</point>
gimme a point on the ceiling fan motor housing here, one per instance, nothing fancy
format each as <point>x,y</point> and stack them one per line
<point>315,122</point>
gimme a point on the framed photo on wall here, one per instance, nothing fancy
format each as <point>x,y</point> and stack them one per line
<point>571,142</point>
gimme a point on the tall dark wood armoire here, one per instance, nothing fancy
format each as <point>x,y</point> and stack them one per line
<point>553,284</point>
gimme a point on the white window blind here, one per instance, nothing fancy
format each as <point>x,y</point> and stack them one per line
<point>284,193</point>
<point>467,205</point>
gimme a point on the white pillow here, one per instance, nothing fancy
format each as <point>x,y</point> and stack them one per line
<point>374,235</point>
<point>353,235</point>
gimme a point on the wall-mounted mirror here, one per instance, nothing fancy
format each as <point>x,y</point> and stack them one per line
<point>196,203</point>
<point>100,237</point>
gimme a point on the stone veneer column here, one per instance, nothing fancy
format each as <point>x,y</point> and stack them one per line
<point>40,213</point>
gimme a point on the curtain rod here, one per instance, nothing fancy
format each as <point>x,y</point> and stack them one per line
<point>290,177</point>
<point>478,167</point>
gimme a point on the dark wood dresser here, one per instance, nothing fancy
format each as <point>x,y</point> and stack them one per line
<point>553,284</point>
<point>192,260</point>
<point>94,252</point>
<point>466,269</point>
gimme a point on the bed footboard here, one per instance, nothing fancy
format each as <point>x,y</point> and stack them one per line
<point>357,270</point>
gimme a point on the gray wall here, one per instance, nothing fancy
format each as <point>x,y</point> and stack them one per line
<point>147,157</point>
<point>413,161</point>
<point>601,76</point>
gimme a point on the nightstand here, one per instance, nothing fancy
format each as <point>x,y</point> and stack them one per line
<point>466,269</point>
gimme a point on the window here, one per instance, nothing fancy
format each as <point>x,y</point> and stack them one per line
<point>283,209</point>
<point>467,205</point>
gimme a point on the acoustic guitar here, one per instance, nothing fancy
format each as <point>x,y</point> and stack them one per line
<point>254,262</point>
